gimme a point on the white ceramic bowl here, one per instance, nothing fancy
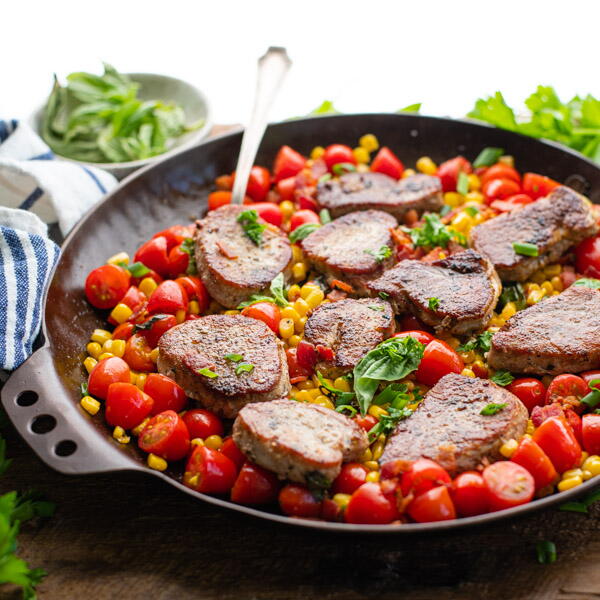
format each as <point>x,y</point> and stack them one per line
<point>156,87</point>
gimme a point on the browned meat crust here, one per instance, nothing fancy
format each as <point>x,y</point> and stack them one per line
<point>553,224</point>
<point>230,264</point>
<point>448,428</point>
<point>558,335</point>
<point>204,342</point>
<point>298,441</point>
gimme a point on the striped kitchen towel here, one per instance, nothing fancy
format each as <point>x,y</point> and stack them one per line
<point>32,179</point>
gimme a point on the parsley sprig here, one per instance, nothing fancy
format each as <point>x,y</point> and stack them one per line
<point>381,254</point>
<point>481,342</point>
<point>433,233</point>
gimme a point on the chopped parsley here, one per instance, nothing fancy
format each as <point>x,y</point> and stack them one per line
<point>342,168</point>
<point>248,219</point>
<point>481,342</point>
<point>433,303</point>
<point>325,216</point>
<point>188,247</point>
<point>462,183</point>
<point>487,157</point>
<point>387,423</point>
<point>302,232</point>
<point>546,552</point>
<point>207,373</point>
<point>502,378</point>
<point>433,233</point>
<point>381,254</point>
<point>525,249</point>
<point>587,282</point>
<point>244,368</point>
<point>492,409</point>
<point>234,357</point>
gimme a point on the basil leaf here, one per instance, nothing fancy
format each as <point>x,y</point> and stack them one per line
<point>488,157</point>
<point>248,219</point>
<point>481,342</point>
<point>492,409</point>
<point>149,323</point>
<point>278,292</point>
<point>512,292</point>
<point>189,247</point>
<point>302,232</point>
<point>254,299</point>
<point>502,378</point>
<point>387,423</point>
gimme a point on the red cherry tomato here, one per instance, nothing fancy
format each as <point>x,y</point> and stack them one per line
<point>195,290</point>
<point>587,256</point>
<point>388,163</point>
<point>108,371</point>
<point>531,392</point>
<point>530,456</point>
<point>433,505</point>
<point>438,360</point>
<point>590,433</point>
<point>202,423</point>
<point>330,511</point>
<point>153,254</point>
<point>258,184</point>
<point>370,505</point>
<point>156,325</point>
<point>175,235</point>
<point>135,299</point>
<point>168,297</point>
<point>302,217</point>
<point>420,336</point>
<point>286,187</point>
<point>338,153</point>
<point>209,471</point>
<point>296,501</point>
<point>306,355</point>
<point>470,494</point>
<point>178,261</point>
<point>589,377</point>
<point>511,202</point>
<point>218,199</point>
<point>307,203</point>
<point>126,405</point>
<point>137,354</point>
<point>566,386</point>
<point>574,422</point>
<point>230,449</point>
<point>123,331</point>
<point>267,312</point>
<point>269,212</point>
<point>558,441</point>
<point>167,395</point>
<point>537,186</point>
<point>297,372</point>
<point>500,171</point>
<point>351,477</point>
<point>255,485</point>
<point>106,285</point>
<point>500,189</point>
<point>422,475</point>
<point>367,422</point>
<point>165,435</point>
<point>288,163</point>
<point>411,323</point>
<point>509,484</point>
<point>448,172</point>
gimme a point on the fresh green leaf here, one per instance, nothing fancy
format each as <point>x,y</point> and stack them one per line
<point>411,108</point>
<point>381,254</point>
<point>207,373</point>
<point>189,247</point>
<point>590,283</point>
<point>254,298</point>
<point>234,357</point>
<point>278,291</point>
<point>325,108</point>
<point>433,303</point>
<point>492,409</point>
<point>487,157</point>
<point>244,368</point>
<point>433,233</point>
<point>342,407</point>
<point>481,343</point>
<point>376,307</point>
<point>462,184</point>
<point>341,168</point>
<point>546,552</point>
<point>339,397</point>
<point>387,423</point>
<point>317,483</point>
<point>502,378</point>
<point>472,211</point>
<point>248,219</point>
<point>149,323</point>
<point>324,216</point>
<point>577,507</point>
<point>525,248</point>
<point>512,292</point>
<point>302,232</point>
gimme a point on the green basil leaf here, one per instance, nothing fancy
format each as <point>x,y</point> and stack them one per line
<point>302,232</point>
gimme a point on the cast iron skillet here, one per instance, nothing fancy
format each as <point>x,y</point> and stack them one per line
<point>41,397</point>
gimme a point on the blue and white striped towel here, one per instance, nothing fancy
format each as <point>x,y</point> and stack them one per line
<point>34,188</point>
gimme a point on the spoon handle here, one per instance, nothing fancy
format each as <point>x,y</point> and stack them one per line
<point>272,68</point>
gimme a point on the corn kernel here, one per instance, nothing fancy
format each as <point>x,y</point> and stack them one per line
<point>156,462</point>
<point>535,296</point>
<point>553,270</point>
<point>297,255</point>
<point>508,448</point>
<point>557,284</point>
<point>301,307</point>
<point>314,392</point>
<point>89,363</point>
<point>466,372</point>
<point>213,441</point>
<point>530,427</point>
<point>468,357</point>
<point>154,355</point>
<point>548,287</point>
<point>377,411</point>
<point>317,152</point>
<point>453,342</point>
<point>510,309</point>
<point>303,396</point>
<point>571,473</point>
<point>197,442</point>
<point>194,307</point>
<point>361,155</point>
<point>137,430</point>
<point>293,341</point>
<point>299,326</point>
<point>100,336</point>
<point>90,404</point>
<point>287,209</point>
<point>462,222</point>
<point>232,312</point>
<point>585,475</point>
<point>294,292</point>
<point>592,464</point>
<point>324,401</point>
<point>315,298</point>
<point>341,384</point>
<point>408,173</point>
<point>584,456</point>
<point>286,328</point>
<point>307,289</point>
<point>180,315</point>
<point>120,435</point>
<point>121,257</point>
<point>366,456</point>
<point>426,165</point>
<point>105,355</point>
<point>94,349</point>
<point>377,449</point>
<point>140,380</point>
<point>115,347</point>
<point>507,160</point>
<point>567,484</point>
<point>372,476</point>
<point>299,271</point>
<point>132,376</point>
<point>289,312</point>
<point>474,182</point>
<point>453,199</point>
<point>147,286</point>
<point>369,142</point>
<point>372,465</point>
<point>341,499</point>
<point>306,385</point>
<point>538,277</point>
<point>121,312</point>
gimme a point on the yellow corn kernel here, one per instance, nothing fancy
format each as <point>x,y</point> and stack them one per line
<point>121,257</point>
<point>453,342</point>
<point>306,385</point>
<point>137,430</point>
<point>510,309</point>
<point>197,442</point>
<point>535,296</point>
<point>213,441</point>
<point>194,307</point>
<point>568,484</point>
<point>120,435</point>
<point>286,328</point>
<point>474,182</point>
<point>376,411</point>
<point>289,312</point>
<point>324,401</point>
<point>287,209</point>
<point>154,355</point>
<point>557,284</point>
<point>89,363</point>
<point>180,315</point>
<point>156,462</point>
<point>294,292</point>
<point>132,376</point>
<point>585,475</point>
<point>372,476</point>
<point>592,464</point>
<point>372,465</point>
<point>476,197</point>
<point>462,222</point>
<point>115,347</point>
<point>90,404</point>
<point>140,380</point>
<point>369,142</point>
<point>317,152</point>
<point>314,393</point>
<point>100,336</point>
<point>408,173</point>
<point>293,341</point>
<point>341,499</point>
<point>303,396</point>
<point>584,456</point>
<point>507,160</point>
<point>529,287</point>
<point>315,298</point>
<point>94,349</point>
<point>377,449</point>
<point>530,427</point>
<point>301,307</point>
<point>307,289</point>
<point>299,326</point>
<point>468,357</point>
<point>553,270</point>
<point>147,286</point>
<point>361,155</point>
<point>467,372</point>
<point>341,384</point>
<point>453,199</point>
<point>121,312</point>
<point>297,255</point>
<point>508,448</point>
<point>232,312</point>
<point>548,287</point>
<point>571,473</point>
<point>299,271</point>
<point>366,456</point>
<point>105,355</point>
<point>426,165</point>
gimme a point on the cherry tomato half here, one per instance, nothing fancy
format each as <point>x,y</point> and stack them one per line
<point>370,505</point>
<point>137,354</point>
<point>230,449</point>
<point>587,255</point>
<point>296,370</point>
<point>448,172</point>
<point>420,336</point>
<point>531,392</point>
<point>500,189</point>
<point>470,494</point>
<point>306,355</point>
<point>511,202</point>
<point>566,386</point>
<point>590,432</point>
<point>351,477</point>
<point>196,290</point>
<point>126,405</point>
<point>267,312</point>
<point>338,153</point>
<point>269,212</point>
<point>167,394</point>
<point>154,327</point>
<point>422,475</point>
<point>286,187</point>
<point>175,235</point>
<point>433,505</point>
<point>296,500</point>
<point>259,183</point>
<point>367,422</point>
<point>438,360</point>
<point>202,423</point>
<point>108,371</point>
<point>167,436</point>
<point>168,297</point>
<point>500,171</point>
<point>178,261</point>
<point>302,217</point>
<point>530,456</point>
<point>106,285</point>
<point>255,485</point>
<point>558,441</point>
<point>509,484</point>
<point>153,254</point>
<point>123,331</point>
<point>388,163</point>
<point>288,163</point>
<point>538,186</point>
<point>209,471</point>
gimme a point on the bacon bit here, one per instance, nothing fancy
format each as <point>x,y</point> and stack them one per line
<point>400,238</point>
<point>411,217</point>
<point>225,250</point>
<point>342,286</point>
<point>336,295</point>
<point>298,379</point>
<point>224,182</point>
<point>436,254</point>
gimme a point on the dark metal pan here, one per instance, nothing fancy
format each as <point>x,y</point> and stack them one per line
<point>41,397</point>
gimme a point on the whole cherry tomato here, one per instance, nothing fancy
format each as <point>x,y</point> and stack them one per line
<point>302,217</point>
<point>209,471</point>
<point>433,505</point>
<point>531,392</point>
<point>448,172</point>
<point>388,163</point>
<point>202,423</point>
<point>126,405</point>
<point>564,387</point>
<point>557,440</point>
<point>255,485</point>
<point>166,435</point>
<point>470,494</point>
<point>269,212</point>
<point>351,477</point>
<point>338,153</point>
<point>500,189</point>
<point>422,475</point>
<point>267,312</point>
<point>153,254</point>
<point>288,163</point>
<point>537,186</point>
<point>137,354</point>
<point>438,360</point>
<point>178,261</point>
<point>590,433</point>
<point>106,285</point>
<point>135,299</point>
<point>108,371</point>
<point>155,326</point>
<point>587,256</point>
<point>296,500</point>
<point>369,505</point>
<point>218,199</point>
<point>530,456</point>
<point>509,484</point>
<point>420,336</point>
<point>167,394</point>
<point>168,297</point>
<point>230,449</point>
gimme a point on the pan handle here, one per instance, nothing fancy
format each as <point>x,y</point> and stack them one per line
<point>58,430</point>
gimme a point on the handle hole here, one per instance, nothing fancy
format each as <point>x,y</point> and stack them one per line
<point>27,398</point>
<point>65,448</point>
<point>43,424</point>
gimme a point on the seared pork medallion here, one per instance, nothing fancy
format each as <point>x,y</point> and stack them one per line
<point>455,294</point>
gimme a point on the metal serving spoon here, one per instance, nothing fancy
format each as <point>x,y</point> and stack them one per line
<point>272,68</point>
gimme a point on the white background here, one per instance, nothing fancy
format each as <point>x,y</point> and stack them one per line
<point>364,56</point>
